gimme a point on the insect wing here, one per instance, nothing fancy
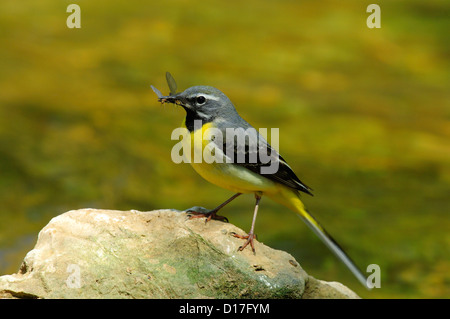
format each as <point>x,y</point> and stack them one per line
<point>172,84</point>
<point>157,92</point>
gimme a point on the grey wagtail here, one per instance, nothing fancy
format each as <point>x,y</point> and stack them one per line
<point>215,110</point>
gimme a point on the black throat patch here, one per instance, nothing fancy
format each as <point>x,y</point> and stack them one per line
<point>191,116</point>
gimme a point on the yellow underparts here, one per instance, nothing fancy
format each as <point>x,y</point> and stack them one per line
<point>227,175</point>
<point>239,179</point>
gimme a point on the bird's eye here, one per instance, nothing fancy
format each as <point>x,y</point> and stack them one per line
<point>200,100</point>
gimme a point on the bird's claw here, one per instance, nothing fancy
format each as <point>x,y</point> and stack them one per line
<point>249,240</point>
<point>199,212</point>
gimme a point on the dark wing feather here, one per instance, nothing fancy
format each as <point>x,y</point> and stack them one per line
<point>284,175</point>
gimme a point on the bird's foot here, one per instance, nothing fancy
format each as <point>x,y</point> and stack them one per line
<point>199,212</point>
<point>249,240</point>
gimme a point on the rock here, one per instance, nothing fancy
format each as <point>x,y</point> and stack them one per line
<point>91,253</point>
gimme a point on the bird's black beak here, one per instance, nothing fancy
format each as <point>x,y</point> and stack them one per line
<point>175,99</point>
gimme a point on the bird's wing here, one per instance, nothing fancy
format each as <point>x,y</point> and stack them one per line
<point>256,155</point>
<point>284,174</point>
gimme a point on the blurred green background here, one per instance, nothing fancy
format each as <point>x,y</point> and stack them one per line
<point>364,119</point>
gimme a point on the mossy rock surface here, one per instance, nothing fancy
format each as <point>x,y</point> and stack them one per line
<point>90,253</point>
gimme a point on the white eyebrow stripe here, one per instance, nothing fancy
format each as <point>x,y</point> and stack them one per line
<point>201,115</point>
<point>207,96</point>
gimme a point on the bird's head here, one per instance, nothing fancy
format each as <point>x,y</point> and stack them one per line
<point>206,102</point>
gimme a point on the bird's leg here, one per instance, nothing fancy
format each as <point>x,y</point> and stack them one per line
<point>251,235</point>
<point>198,212</point>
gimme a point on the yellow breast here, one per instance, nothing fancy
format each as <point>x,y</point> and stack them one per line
<point>227,175</point>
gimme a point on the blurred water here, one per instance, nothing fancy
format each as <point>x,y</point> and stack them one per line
<point>8,255</point>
